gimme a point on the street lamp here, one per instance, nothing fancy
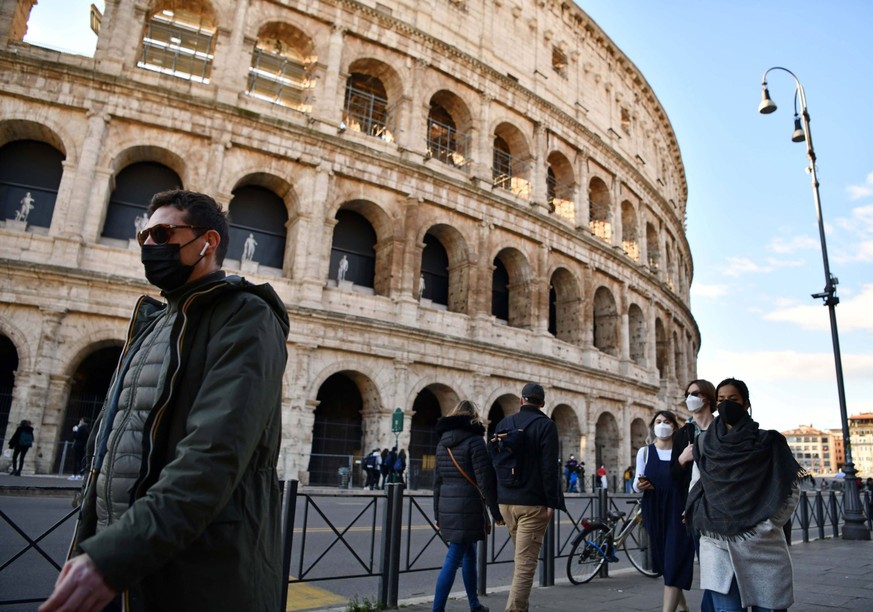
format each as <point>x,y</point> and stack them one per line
<point>854,528</point>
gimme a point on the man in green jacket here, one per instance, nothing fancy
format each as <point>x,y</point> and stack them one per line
<point>181,508</point>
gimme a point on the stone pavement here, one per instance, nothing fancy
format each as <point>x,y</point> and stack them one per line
<point>830,574</point>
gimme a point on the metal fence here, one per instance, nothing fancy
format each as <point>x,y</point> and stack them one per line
<point>374,540</point>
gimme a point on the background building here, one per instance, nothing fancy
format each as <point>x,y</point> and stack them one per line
<point>452,197</point>
<point>813,449</point>
<point>861,433</point>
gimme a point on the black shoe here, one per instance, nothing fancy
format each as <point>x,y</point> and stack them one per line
<point>479,608</point>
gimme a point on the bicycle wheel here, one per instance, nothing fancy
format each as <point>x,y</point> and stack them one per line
<point>639,553</point>
<point>586,558</point>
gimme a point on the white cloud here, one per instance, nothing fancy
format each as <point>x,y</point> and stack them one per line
<point>856,192</point>
<point>797,243</point>
<point>708,291</point>
<point>790,365</point>
<point>738,266</point>
<point>852,313</point>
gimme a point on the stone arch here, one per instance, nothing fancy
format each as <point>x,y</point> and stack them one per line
<point>606,447</point>
<point>179,38</point>
<point>679,356</point>
<point>518,298</point>
<point>639,434</point>
<point>565,298</point>
<point>569,432</point>
<point>382,226</point>
<point>449,128</point>
<point>281,60</point>
<point>132,189</point>
<point>459,266</point>
<point>510,166</point>
<point>560,186</point>
<point>373,91</point>
<point>662,348</point>
<point>606,322</point>
<point>500,407</point>
<point>30,177</point>
<point>653,248</point>
<point>600,209</point>
<point>629,231</point>
<point>638,334</point>
<point>429,404</point>
<point>12,129</point>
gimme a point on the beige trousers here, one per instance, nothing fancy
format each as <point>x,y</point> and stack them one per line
<point>527,526</point>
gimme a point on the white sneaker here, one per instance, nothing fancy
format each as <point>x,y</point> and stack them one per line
<point>73,477</point>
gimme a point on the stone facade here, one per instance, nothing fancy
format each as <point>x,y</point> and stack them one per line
<point>585,212</point>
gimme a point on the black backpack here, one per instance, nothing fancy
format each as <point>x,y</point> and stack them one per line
<point>506,448</point>
<point>370,461</point>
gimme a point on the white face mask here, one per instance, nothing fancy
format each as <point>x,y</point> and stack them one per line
<point>664,430</point>
<point>694,402</point>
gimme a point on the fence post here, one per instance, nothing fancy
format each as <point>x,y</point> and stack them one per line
<point>392,525</point>
<point>602,512</point>
<point>869,510</point>
<point>289,510</point>
<point>547,569</point>
<point>482,563</point>
<point>804,516</point>
<point>835,517</point>
<point>819,514</point>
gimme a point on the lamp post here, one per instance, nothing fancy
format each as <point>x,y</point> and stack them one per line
<point>854,528</point>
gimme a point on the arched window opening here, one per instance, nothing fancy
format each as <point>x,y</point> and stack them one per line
<point>8,367</point>
<point>678,357</point>
<point>444,142</point>
<point>509,169</point>
<point>337,431</point>
<point>599,215</point>
<point>366,107</point>
<point>500,291</point>
<point>423,440</point>
<point>606,322</point>
<point>637,330</point>
<point>559,187</point>
<point>179,42</point>
<point>653,248</point>
<point>661,349</point>
<point>564,307</point>
<point>434,271</point>
<point>87,393</point>
<point>606,445</point>
<point>279,72</point>
<point>30,174</point>
<point>629,239</point>
<point>639,432</point>
<point>354,242</point>
<point>134,188</point>
<point>257,226</point>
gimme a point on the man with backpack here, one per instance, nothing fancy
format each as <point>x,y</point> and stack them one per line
<point>524,452</point>
<point>20,443</point>
<point>372,465</point>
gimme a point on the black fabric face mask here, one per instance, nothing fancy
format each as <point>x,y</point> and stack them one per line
<point>731,412</point>
<point>163,266</point>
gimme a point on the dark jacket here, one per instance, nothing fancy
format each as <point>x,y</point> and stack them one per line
<point>202,528</point>
<point>682,475</point>
<point>14,441</point>
<point>542,463</point>
<point>456,503</point>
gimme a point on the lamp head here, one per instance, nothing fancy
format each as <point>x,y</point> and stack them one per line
<point>798,135</point>
<point>767,105</point>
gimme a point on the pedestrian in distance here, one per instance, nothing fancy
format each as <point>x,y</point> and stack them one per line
<point>747,490</point>
<point>663,503</point>
<point>81,431</point>
<point>20,443</point>
<point>628,478</point>
<point>601,474</point>
<point>571,469</point>
<point>464,493</point>
<point>373,467</point>
<point>384,467</point>
<point>528,485</point>
<point>399,466</point>
<point>181,508</point>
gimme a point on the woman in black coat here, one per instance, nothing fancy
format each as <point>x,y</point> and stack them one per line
<point>458,503</point>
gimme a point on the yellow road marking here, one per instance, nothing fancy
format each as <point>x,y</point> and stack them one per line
<point>303,596</point>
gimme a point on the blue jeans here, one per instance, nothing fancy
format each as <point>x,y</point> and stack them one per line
<point>731,602</point>
<point>463,556</point>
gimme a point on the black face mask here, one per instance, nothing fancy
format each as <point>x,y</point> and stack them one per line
<point>163,266</point>
<point>731,412</point>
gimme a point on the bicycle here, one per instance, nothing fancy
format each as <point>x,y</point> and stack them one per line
<point>598,543</point>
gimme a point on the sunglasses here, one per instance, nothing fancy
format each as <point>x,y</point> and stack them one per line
<point>162,232</point>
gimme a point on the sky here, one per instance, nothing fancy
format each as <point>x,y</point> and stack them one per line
<point>752,223</point>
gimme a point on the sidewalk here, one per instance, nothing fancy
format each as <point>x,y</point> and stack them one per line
<point>42,484</point>
<point>828,575</point>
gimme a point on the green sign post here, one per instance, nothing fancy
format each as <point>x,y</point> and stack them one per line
<point>396,423</point>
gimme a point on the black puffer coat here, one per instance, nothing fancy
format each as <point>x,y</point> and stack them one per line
<point>456,503</point>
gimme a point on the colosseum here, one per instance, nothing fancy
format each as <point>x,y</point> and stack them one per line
<point>452,197</point>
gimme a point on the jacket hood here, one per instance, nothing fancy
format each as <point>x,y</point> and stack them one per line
<point>455,429</point>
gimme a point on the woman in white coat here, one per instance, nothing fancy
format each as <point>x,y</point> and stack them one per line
<point>748,488</point>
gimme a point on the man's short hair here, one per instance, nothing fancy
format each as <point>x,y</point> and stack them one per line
<point>533,394</point>
<point>200,210</point>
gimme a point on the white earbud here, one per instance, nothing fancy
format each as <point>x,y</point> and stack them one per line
<point>203,251</point>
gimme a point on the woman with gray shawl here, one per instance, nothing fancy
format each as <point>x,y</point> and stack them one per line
<point>747,489</point>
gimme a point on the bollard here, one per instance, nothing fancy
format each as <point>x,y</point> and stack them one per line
<point>602,512</point>
<point>392,525</point>
<point>289,510</point>
<point>819,514</point>
<point>804,516</point>
<point>547,569</point>
<point>482,563</point>
<point>835,518</point>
